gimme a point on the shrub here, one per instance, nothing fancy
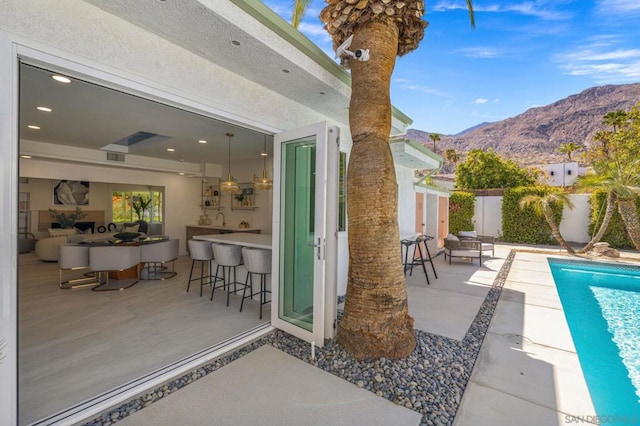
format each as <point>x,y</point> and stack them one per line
<point>461,205</point>
<point>616,234</point>
<point>524,225</point>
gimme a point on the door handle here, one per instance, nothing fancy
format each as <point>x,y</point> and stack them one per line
<point>319,248</point>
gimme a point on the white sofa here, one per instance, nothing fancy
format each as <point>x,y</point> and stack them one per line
<point>47,248</point>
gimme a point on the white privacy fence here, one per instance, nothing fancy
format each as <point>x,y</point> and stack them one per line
<point>574,226</point>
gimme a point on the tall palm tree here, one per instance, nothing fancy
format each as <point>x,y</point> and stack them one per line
<point>376,321</point>
<point>569,149</point>
<point>434,138</point>
<point>299,10</point>
<point>542,205</point>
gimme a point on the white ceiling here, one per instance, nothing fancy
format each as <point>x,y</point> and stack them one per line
<point>91,116</point>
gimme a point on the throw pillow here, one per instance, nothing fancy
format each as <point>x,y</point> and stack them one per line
<point>58,232</point>
<point>468,234</point>
<point>130,228</point>
<point>452,237</point>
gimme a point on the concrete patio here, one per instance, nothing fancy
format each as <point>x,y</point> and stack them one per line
<point>527,371</point>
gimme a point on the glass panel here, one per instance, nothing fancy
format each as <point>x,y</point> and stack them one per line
<point>297,233</point>
<point>342,192</point>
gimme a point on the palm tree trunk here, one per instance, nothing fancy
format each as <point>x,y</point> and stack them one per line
<point>608,214</point>
<point>629,214</point>
<point>555,230</point>
<point>376,319</point>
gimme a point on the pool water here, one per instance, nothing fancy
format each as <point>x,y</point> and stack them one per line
<point>601,303</point>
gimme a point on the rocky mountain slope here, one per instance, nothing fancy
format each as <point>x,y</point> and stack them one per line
<point>533,136</point>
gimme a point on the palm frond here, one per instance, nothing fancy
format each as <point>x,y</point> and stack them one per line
<point>299,9</point>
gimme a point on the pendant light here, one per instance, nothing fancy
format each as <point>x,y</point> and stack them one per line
<point>264,182</point>
<point>229,185</point>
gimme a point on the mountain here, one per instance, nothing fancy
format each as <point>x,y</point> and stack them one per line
<point>534,136</point>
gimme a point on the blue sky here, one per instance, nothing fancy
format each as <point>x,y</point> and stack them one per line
<point>521,54</point>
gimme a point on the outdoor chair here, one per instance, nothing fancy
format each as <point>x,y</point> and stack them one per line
<point>487,240</point>
<point>454,247</point>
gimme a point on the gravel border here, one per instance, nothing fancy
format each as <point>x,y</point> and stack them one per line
<point>431,380</point>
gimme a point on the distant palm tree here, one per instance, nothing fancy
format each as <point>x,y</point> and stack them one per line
<point>434,138</point>
<point>569,148</point>
<point>615,119</point>
<point>452,156</point>
<point>542,205</point>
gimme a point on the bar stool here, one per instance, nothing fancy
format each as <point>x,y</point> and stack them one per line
<point>257,261</point>
<point>201,251</point>
<point>73,257</point>
<point>229,257</point>
<point>154,255</point>
<point>405,245</point>
<point>423,239</point>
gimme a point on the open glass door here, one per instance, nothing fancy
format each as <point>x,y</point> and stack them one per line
<point>304,231</point>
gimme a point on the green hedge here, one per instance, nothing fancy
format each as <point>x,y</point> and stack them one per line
<point>461,205</point>
<point>616,234</point>
<point>524,225</point>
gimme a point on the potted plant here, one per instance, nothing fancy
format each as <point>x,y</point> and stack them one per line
<point>65,219</point>
<point>140,207</point>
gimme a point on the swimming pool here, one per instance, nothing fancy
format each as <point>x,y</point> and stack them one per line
<point>601,303</point>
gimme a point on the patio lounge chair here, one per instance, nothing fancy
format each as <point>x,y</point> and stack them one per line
<point>454,247</point>
<point>487,240</point>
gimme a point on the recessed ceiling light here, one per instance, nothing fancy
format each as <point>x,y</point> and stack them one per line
<point>264,154</point>
<point>286,71</point>
<point>31,126</point>
<point>25,156</point>
<point>235,42</point>
<point>202,141</point>
<point>181,173</point>
<point>171,149</point>
<point>61,79</point>
<point>45,109</point>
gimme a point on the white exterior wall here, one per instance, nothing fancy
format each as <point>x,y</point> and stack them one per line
<point>487,216</point>
<point>575,223</point>
<point>562,174</point>
<point>406,202</point>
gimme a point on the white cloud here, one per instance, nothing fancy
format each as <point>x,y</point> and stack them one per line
<point>481,52</point>
<point>619,6</point>
<point>406,84</point>
<point>603,61</point>
<point>481,101</point>
<point>528,8</point>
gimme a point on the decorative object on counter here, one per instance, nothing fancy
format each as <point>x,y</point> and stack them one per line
<point>127,236</point>
<point>67,221</point>
<point>263,182</point>
<point>229,185</point>
<point>244,225</point>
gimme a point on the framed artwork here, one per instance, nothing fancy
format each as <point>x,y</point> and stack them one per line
<point>70,193</point>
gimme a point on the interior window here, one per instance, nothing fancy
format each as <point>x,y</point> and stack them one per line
<point>123,206</point>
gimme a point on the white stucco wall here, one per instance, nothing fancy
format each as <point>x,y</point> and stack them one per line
<point>406,202</point>
<point>488,215</point>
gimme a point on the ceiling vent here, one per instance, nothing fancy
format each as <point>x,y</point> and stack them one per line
<point>115,156</point>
